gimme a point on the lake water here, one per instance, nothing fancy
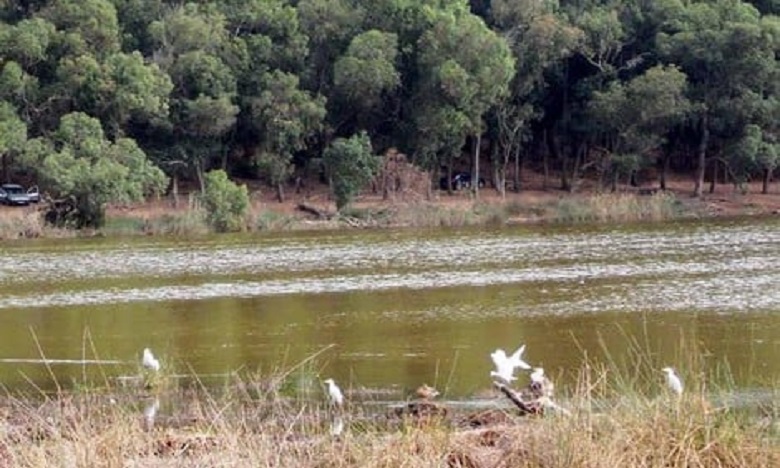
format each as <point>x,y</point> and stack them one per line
<point>389,310</point>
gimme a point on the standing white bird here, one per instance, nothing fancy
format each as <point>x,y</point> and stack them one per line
<point>505,366</point>
<point>334,392</point>
<point>149,361</point>
<point>541,385</point>
<point>673,381</point>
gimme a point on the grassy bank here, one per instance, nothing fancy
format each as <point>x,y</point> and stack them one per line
<point>250,423</point>
<point>189,219</point>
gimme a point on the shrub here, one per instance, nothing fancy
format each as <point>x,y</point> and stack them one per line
<point>225,202</point>
<point>351,165</point>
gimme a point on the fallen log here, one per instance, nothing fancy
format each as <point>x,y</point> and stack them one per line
<point>322,214</point>
<point>530,407</point>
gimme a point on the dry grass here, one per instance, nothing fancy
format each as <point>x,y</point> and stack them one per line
<point>26,223</point>
<point>252,423</point>
<point>621,207</point>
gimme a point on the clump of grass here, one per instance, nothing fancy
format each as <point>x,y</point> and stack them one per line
<point>617,208</point>
<point>268,220</point>
<point>27,223</point>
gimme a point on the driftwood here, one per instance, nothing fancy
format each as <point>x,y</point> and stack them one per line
<point>322,214</point>
<point>526,407</point>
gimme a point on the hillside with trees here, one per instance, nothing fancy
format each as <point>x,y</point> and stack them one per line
<point>112,100</point>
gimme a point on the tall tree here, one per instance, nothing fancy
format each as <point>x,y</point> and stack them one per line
<point>723,48</point>
<point>13,134</point>
<point>634,117</point>
<point>286,116</point>
<point>463,69</point>
<point>80,165</point>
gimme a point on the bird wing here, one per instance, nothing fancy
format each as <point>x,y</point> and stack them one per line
<point>516,359</point>
<point>499,358</point>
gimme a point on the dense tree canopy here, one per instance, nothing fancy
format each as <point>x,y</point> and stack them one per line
<point>260,88</point>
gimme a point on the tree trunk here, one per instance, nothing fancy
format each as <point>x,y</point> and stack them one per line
<point>449,174</point>
<point>475,178</point>
<point>199,175</point>
<point>765,181</point>
<point>280,192</point>
<point>518,169</point>
<point>664,169</point>
<point>714,176</point>
<point>702,156</point>
<point>175,190</point>
<point>5,168</point>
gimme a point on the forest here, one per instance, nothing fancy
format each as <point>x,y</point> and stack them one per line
<point>111,100</point>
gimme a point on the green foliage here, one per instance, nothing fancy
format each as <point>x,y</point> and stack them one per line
<point>286,116</point>
<point>80,165</point>
<point>13,131</point>
<point>636,115</point>
<point>205,84</point>
<point>367,69</point>
<point>85,26</point>
<point>464,68</point>
<point>225,202</point>
<point>351,165</point>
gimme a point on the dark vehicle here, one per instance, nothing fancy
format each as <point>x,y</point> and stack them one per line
<point>460,181</point>
<point>14,194</point>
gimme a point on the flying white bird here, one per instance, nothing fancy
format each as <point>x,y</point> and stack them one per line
<point>149,362</point>
<point>673,381</point>
<point>334,392</point>
<point>505,366</point>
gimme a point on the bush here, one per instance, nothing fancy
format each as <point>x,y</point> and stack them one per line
<point>350,165</point>
<point>225,202</point>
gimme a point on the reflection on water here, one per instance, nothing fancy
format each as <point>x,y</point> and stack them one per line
<point>400,308</point>
<point>151,407</point>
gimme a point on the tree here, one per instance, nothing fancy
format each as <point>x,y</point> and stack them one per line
<point>367,71</point>
<point>79,165</point>
<point>286,116</point>
<point>540,39</point>
<point>729,54</point>
<point>191,42</point>
<point>13,134</point>
<point>85,26</point>
<point>634,117</point>
<point>225,202</point>
<point>351,165</point>
<point>117,89</point>
<point>330,25</point>
<point>464,68</point>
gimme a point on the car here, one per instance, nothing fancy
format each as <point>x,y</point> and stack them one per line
<point>16,195</point>
<point>460,181</point>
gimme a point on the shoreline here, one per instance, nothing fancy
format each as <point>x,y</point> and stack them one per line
<point>316,211</point>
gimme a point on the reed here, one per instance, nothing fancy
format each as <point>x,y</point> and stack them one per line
<point>620,207</point>
<point>619,418</point>
<point>27,223</point>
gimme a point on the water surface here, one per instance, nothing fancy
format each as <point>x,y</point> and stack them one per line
<point>398,308</point>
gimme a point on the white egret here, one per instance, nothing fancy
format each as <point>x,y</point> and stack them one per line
<point>673,381</point>
<point>505,366</point>
<point>541,384</point>
<point>334,392</point>
<point>149,361</point>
